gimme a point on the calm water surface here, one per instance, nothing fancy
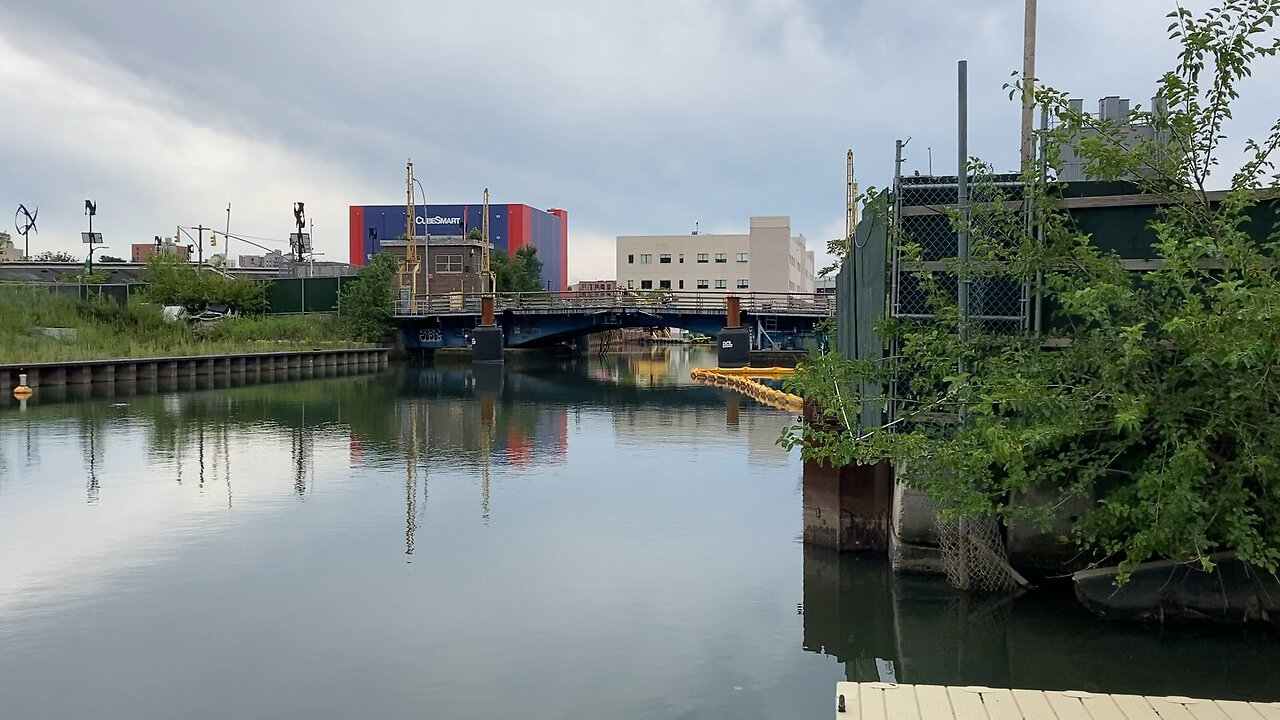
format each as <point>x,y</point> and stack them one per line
<point>583,539</point>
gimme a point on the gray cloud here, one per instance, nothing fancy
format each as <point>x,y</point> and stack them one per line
<point>636,117</point>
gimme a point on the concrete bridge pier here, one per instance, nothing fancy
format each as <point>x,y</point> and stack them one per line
<point>486,343</point>
<point>582,344</point>
<point>734,341</point>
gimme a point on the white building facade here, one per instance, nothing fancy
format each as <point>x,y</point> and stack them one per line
<point>768,258</point>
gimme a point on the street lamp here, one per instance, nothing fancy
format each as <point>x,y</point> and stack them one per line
<point>89,259</point>
<point>90,209</point>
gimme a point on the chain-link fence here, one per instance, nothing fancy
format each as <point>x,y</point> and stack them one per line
<point>925,272</point>
<point>925,248</point>
<point>973,554</point>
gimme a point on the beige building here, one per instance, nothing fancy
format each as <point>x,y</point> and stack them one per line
<point>9,253</point>
<point>768,258</point>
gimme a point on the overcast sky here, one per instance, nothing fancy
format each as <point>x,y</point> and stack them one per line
<point>636,117</point>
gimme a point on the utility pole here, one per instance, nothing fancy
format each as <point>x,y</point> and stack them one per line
<point>1028,83</point>
<point>226,237</point>
<point>200,246</point>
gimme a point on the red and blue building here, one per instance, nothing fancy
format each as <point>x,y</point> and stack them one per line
<point>510,228</point>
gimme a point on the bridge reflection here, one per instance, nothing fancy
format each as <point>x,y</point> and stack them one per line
<point>415,417</point>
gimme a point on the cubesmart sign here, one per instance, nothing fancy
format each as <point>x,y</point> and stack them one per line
<point>371,224</point>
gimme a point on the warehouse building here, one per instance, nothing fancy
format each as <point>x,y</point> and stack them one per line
<point>510,228</point>
<point>768,258</point>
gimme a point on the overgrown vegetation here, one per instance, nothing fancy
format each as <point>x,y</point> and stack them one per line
<point>366,304</point>
<point>174,281</point>
<point>1160,400</point>
<point>520,272</point>
<point>106,329</point>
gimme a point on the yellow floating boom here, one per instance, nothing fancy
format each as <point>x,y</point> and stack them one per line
<point>751,371</point>
<point>739,381</point>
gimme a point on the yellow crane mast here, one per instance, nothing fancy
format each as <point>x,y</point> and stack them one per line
<point>851,204</point>
<point>410,265</point>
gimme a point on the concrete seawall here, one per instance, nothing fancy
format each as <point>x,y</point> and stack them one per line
<point>290,365</point>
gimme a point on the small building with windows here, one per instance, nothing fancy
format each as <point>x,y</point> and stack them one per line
<point>447,265</point>
<point>767,258</point>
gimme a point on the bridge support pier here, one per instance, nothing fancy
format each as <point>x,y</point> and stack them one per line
<point>734,341</point>
<point>486,343</point>
<point>582,344</point>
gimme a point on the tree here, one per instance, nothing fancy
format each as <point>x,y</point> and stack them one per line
<point>521,272</point>
<point>55,256</point>
<point>174,281</point>
<point>366,302</point>
<point>1160,401</point>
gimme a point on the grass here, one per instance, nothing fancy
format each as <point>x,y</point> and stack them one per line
<point>105,330</point>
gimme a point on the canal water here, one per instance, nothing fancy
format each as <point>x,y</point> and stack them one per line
<point>585,538</point>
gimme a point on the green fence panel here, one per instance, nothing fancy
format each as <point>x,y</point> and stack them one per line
<point>321,294</point>
<point>284,295</point>
<point>295,295</point>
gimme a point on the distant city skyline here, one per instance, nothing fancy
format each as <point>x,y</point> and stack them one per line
<point>636,118</point>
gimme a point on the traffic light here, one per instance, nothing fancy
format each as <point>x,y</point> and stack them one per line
<point>213,240</point>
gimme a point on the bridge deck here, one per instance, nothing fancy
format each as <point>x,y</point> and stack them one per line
<point>667,303</point>
<point>885,701</point>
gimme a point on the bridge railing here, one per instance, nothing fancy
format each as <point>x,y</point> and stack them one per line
<point>598,300</point>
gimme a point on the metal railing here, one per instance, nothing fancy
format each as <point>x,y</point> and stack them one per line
<point>814,304</point>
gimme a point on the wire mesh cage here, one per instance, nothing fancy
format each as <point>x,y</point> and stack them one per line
<point>973,554</point>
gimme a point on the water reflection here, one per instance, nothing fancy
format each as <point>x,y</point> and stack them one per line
<point>857,611</point>
<point>456,541</point>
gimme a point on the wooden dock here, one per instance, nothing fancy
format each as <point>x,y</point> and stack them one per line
<point>888,701</point>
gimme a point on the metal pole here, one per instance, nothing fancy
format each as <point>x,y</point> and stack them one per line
<point>226,237</point>
<point>90,243</point>
<point>1028,84</point>
<point>962,255</point>
<point>962,198</point>
<point>1044,179</point>
<point>200,247</point>
<point>897,218</point>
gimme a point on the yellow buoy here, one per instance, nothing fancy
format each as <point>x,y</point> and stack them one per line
<point>22,391</point>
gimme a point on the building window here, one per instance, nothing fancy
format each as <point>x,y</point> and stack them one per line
<point>681,284</point>
<point>631,284</point>
<point>722,257</point>
<point>645,258</point>
<point>722,284</point>
<point>665,258</point>
<point>664,284</point>
<point>681,258</point>
<point>702,257</point>
<point>742,283</point>
<point>631,259</point>
<point>703,284</point>
<point>646,284</point>
<point>742,257</point>
<point>448,263</point>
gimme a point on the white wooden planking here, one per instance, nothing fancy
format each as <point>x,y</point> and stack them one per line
<point>889,701</point>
